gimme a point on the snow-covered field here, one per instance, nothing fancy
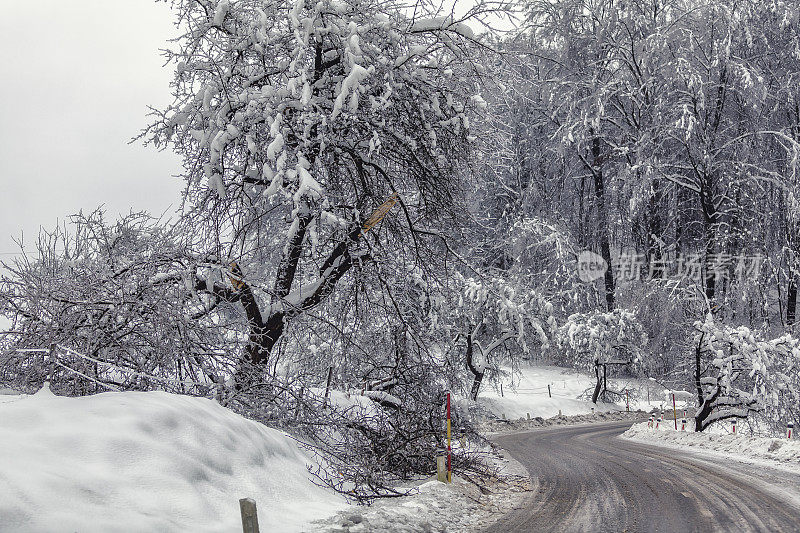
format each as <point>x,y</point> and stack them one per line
<point>778,452</point>
<point>153,461</point>
<point>525,393</point>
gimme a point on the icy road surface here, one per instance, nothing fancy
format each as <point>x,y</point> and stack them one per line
<point>586,478</point>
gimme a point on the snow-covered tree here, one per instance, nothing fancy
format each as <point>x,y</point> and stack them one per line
<point>738,375</point>
<point>296,120</point>
<point>594,341</point>
<point>496,316</point>
<point>122,295</point>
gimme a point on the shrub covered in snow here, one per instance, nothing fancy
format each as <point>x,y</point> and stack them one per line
<point>593,341</point>
<point>120,293</point>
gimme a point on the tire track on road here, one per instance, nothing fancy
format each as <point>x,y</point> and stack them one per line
<point>589,480</point>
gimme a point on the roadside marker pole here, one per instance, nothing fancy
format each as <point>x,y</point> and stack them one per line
<point>658,421</point>
<point>674,412</point>
<point>789,427</point>
<point>683,425</point>
<point>650,421</point>
<point>550,394</point>
<point>627,401</point>
<point>449,448</point>
<point>734,426</point>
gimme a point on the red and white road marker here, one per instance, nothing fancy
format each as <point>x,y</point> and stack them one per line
<point>789,428</point>
<point>734,426</point>
<point>683,425</point>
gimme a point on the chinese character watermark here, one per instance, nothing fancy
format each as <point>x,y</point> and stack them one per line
<point>694,267</point>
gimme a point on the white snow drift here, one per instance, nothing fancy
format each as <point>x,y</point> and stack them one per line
<point>147,461</point>
<point>778,452</point>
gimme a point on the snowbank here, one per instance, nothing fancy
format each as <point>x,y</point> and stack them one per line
<point>435,506</point>
<point>783,452</point>
<point>147,461</point>
<point>501,426</point>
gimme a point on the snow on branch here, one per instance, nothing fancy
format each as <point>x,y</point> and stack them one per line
<point>614,337</point>
<point>743,375</point>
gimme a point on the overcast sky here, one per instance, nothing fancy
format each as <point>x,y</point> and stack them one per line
<point>75,81</point>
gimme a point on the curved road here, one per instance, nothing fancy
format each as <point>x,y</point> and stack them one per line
<point>585,478</point>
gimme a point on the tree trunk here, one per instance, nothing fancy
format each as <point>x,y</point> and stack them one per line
<point>287,268</point>
<point>711,229</point>
<point>654,255</point>
<point>476,372</point>
<point>599,383</point>
<point>711,215</point>
<point>791,301</point>
<point>264,335</point>
<point>699,416</point>
<point>476,385</point>
<point>602,220</point>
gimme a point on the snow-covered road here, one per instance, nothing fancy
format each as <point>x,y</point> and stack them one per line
<point>586,478</point>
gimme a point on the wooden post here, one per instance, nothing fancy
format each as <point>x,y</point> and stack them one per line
<point>441,468</point>
<point>327,387</point>
<point>249,515</point>
<point>548,391</point>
